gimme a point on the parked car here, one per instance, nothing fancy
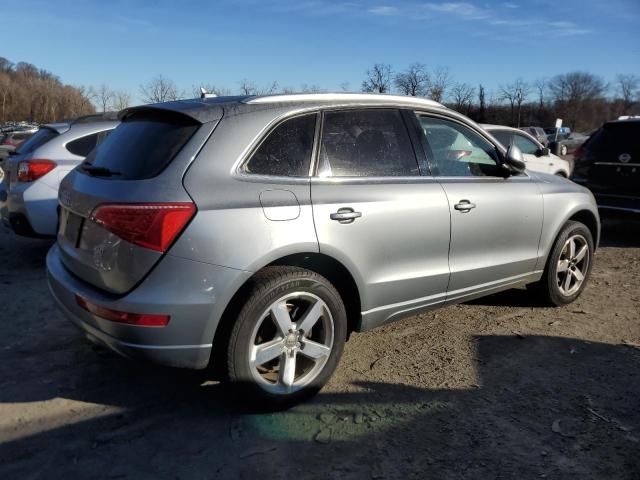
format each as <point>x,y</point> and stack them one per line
<point>29,201</point>
<point>255,233</point>
<point>538,133</point>
<point>537,157</point>
<point>16,138</point>
<point>566,141</point>
<point>609,165</point>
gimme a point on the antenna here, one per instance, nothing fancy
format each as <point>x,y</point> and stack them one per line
<point>205,94</point>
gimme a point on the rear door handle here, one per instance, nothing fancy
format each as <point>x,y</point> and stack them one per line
<point>345,215</point>
<point>464,206</point>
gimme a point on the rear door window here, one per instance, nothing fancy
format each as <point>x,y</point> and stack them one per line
<point>36,140</point>
<point>143,145</point>
<point>286,151</point>
<point>366,143</point>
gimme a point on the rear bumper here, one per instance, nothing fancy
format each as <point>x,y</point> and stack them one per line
<point>30,209</point>
<point>194,294</point>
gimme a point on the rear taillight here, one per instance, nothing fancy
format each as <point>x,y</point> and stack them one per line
<point>140,319</point>
<point>150,225</point>
<point>30,170</point>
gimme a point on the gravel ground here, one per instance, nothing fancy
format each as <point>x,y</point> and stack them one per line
<point>499,388</point>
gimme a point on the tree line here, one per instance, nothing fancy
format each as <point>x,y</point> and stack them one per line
<point>583,100</point>
<point>36,95</point>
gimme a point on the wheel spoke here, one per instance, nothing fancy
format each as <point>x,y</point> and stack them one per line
<point>567,282</point>
<point>578,275</point>
<point>581,253</point>
<point>572,248</point>
<point>311,317</point>
<point>287,373</point>
<point>266,351</point>
<point>314,350</point>
<point>563,265</point>
<point>280,314</point>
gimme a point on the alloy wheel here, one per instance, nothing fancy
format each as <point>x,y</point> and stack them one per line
<point>573,265</point>
<point>291,343</point>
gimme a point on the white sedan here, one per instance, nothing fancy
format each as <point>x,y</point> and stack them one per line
<point>537,157</point>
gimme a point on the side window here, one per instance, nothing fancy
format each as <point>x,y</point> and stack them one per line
<point>366,143</point>
<point>287,149</point>
<point>505,137</point>
<point>457,151</point>
<point>524,144</point>
<point>83,145</point>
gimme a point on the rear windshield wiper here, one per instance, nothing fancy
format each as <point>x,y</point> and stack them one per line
<point>98,171</point>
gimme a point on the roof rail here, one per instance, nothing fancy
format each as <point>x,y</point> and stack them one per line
<point>344,97</point>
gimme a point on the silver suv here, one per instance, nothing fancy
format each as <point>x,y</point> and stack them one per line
<point>254,234</point>
<point>29,192</point>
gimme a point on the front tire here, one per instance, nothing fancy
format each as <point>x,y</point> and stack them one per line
<point>568,266</point>
<point>288,337</point>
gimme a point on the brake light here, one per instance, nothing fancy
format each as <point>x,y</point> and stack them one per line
<point>150,225</point>
<point>30,170</point>
<point>140,319</point>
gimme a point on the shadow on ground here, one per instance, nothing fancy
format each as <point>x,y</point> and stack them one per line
<point>542,406</point>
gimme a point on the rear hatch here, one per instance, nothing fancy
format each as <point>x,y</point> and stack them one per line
<point>614,154</point>
<point>124,206</point>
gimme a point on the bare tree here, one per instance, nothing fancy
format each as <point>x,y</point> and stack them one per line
<point>628,87</point>
<point>515,93</point>
<point>310,88</point>
<point>103,96</point>
<point>121,100</point>
<point>378,79</point>
<point>482,104</point>
<point>540,85</point>
<point>5,88</point>
<point>248,87</point>
<point>440,81</point>
<point>345,86</point>
<point>414,81</point>
<point>462,94</point>
<point>574,93</point>
<point>159,89</point>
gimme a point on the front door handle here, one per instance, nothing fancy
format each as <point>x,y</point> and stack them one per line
<point>464,206</point>
<point>345,215</point>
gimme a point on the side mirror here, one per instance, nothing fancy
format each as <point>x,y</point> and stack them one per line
<point>543,152</point>
<point>514,160</point>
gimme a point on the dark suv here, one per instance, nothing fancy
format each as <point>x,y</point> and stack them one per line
<point>609,165</point>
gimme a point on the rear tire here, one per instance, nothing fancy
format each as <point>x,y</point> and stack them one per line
<point>568,266</point>
<point>288,337</point>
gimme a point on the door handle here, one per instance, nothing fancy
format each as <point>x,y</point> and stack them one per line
<point>345,215</point>
<point>464,206</point>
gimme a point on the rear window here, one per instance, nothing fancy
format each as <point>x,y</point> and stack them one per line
<point>142,145</point>
<point>617,137</point>
<point>36,140</point>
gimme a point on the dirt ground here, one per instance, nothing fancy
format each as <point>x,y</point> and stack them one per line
<point>500,388</point>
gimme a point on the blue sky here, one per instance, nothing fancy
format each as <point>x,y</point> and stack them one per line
<point>125,43</point>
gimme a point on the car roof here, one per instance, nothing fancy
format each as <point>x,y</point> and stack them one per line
<point>208,109</point>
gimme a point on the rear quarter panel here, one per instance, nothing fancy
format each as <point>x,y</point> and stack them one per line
<point>232,228</point>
